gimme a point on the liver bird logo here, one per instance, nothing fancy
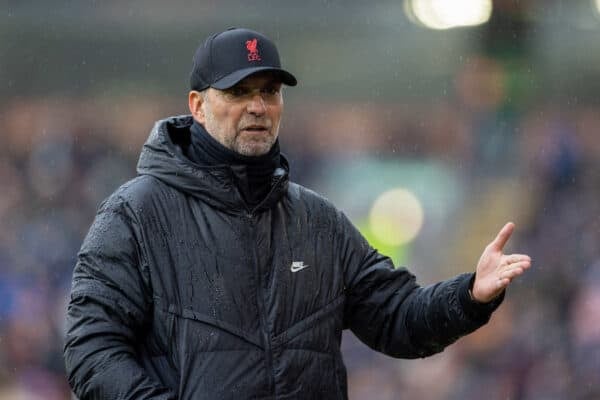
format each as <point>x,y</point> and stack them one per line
<point>252,46</point>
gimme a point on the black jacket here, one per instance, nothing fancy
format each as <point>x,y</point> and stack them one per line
<point>182,292</point>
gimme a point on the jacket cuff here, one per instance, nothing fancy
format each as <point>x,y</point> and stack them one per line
<point>472,308</point>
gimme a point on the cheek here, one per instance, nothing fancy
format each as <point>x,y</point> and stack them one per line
<point>233,116</point>
<point>275,114</point>
<point>228,119</point>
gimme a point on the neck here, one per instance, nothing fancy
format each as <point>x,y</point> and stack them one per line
<point>253,174</point>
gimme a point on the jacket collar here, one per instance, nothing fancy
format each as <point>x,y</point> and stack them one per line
<point>163,158</point>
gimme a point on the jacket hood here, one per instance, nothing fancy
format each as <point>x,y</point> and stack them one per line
<point>162,157</point>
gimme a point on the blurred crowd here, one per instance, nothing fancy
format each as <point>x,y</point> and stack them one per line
<point>535,163</point>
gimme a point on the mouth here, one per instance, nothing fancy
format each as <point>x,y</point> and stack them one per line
<point>255,129</point>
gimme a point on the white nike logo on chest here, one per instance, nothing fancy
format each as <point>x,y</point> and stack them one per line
<point>297,266</point>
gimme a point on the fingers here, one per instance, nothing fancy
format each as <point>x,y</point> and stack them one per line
<point>515,258</point>
<point>515,269</point>
<point>503,283</point>
<point>503,236</point>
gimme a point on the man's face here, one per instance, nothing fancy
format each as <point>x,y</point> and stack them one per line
<point>244,118</point>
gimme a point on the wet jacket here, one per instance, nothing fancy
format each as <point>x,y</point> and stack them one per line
<point>183,292</point>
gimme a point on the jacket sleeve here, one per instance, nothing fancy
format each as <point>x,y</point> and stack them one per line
<point>391,313</point>
<point>109,305</point>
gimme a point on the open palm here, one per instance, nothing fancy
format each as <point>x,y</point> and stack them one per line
<point>496,270</point>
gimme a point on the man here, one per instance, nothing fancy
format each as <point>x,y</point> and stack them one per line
<point>211,276</point>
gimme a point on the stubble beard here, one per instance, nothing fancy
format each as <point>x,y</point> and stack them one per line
<point>245,144</point>
<point>242,143</point>
<point>254,146</point>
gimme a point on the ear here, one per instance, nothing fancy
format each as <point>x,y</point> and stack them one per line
<point>195,100</point>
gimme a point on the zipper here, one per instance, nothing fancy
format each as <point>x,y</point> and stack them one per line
<point>262,312</point>
<point>252,213</point>
<point>261,297</point>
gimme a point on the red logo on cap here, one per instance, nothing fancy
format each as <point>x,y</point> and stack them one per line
<point>252,46</point>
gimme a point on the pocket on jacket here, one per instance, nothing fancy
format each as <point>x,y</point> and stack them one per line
<point>216,360</point>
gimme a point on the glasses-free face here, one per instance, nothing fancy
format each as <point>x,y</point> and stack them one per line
<point>244,118</point>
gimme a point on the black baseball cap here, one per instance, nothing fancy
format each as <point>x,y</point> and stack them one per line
<point>227,57</point>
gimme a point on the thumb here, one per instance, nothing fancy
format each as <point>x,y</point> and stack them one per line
<point>503,236</point>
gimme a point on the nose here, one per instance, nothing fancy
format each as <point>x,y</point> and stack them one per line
<point>256,105</point>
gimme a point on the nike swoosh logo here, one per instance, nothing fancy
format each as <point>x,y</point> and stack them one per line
<point>297,266</point>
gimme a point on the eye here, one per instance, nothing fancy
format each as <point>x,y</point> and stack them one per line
<point>237,91</point>
<point>271,90</point>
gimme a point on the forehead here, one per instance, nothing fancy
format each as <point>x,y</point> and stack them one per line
<point>260,79</point>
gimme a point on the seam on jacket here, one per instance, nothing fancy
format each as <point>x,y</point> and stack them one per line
<point>308,322</point>
<point>121,207</point>
<point>309,350</point>
<point>133,218</point>
<point>199,317</point>
<point>107,364</point>
<point>94,291</point>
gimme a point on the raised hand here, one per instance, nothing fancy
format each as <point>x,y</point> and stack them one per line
<point>495,270</point>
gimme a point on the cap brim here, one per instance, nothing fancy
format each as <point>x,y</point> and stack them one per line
<point>232,79</point>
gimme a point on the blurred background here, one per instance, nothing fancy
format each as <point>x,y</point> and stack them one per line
<point>429,122</point>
